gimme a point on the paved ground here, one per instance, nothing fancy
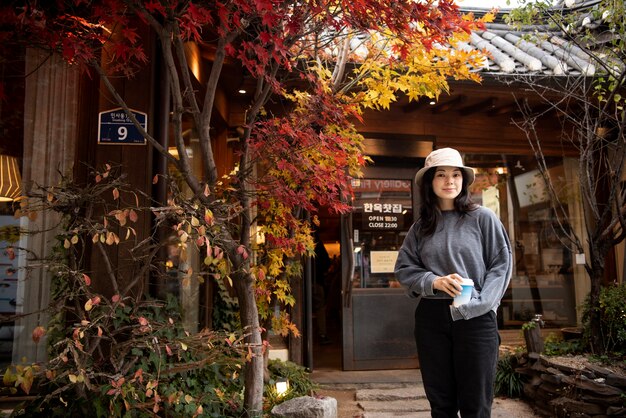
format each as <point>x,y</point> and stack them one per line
<point>349,407</point>
<point>399,393</point>
<point>392,394</point>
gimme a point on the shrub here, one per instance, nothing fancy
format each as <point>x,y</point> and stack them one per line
<point>557,346</point>
<point>114,349</point>
<point>300,383</point>
<point>612,311</point>
<point>166,372</point>
<point>508,382</point>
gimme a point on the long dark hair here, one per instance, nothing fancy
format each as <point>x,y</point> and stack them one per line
<point>430,214</point>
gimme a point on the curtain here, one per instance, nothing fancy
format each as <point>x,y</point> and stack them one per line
<point>50,130</point>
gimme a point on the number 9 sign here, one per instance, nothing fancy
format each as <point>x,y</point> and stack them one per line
<point>116,127</point>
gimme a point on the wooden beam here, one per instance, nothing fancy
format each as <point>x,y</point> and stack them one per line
<point>396,147</point>
<point>415,105</point>
<point>481,106</point>
<point>450,104</point>
<point>543,110</point>
<point>502,110</point>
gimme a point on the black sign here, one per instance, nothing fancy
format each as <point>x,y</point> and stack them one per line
<point>116,127</point>
<point>382,216</point>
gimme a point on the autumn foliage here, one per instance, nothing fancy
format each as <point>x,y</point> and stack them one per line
<point>325,61</point>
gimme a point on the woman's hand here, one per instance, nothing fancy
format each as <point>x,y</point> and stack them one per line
<point>451,284</point>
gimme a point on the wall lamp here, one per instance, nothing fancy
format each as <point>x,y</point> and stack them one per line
<point>10,179</point>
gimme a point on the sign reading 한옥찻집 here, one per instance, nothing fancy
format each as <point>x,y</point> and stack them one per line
<point>116,127</point>
<point>382,216</point>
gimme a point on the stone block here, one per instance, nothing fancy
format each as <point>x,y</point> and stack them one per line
<point>616,380</point>
<point>573,406</point>
<point>555,379</point>
<point>592,386</point>
<point>598,370</point>
<point>616,411</point>
<point>395,394</point>
<point>397,407</point>
<point>307,407</point>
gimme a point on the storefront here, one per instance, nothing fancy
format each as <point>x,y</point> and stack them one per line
<point>368,316</point>
<point>377,316</point>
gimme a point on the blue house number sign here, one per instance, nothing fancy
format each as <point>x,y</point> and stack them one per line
<point>115,127</point>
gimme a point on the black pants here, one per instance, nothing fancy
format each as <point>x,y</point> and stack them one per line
<point>457,360</point>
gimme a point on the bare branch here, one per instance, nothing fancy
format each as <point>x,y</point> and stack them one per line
<point>109,266</point>
<point>129,113</point>
<point>204,122</point>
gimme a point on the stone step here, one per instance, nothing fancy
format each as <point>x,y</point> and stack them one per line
<point>400,406</point>
<point>392,394</point>
<point>421,414</point>
<point>420,408</point>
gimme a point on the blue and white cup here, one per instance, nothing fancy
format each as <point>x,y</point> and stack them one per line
<point>466,293</point>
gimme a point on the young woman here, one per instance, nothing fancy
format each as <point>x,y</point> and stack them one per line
<point>455,239</point>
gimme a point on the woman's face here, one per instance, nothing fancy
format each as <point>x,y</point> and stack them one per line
<point>447,185</point>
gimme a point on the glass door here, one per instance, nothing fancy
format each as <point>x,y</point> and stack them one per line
<point>377,314</point>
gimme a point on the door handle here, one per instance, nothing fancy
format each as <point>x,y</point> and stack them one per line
<point>347,289</point>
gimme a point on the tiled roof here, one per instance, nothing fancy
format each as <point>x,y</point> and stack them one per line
<point>514,52</point>
<point>538,50</point>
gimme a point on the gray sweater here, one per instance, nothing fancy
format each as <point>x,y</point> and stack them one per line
<point>474,246</point>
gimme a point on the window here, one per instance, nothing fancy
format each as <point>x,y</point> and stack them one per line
<point>544,273</point>
<point>383,213</point>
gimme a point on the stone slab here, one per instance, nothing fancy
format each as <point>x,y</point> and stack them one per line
<point>422,414</point>
<point>394,394</point>
<point>395,406</point>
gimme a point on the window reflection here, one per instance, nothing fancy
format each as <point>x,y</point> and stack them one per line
<point>543,275</point>
<point>382,214</point>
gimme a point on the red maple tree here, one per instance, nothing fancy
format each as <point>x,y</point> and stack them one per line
<point>302,51</point>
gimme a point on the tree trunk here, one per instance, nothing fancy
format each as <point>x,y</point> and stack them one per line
<point>596,276</point>
<point>253,372</point>
<point>534,339</point>
<point>595,319</point>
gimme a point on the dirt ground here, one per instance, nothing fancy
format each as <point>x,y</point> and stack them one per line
<point>347,406</point>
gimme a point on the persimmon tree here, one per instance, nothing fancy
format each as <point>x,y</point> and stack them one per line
<point>327,60</point>
<point>590,108</point>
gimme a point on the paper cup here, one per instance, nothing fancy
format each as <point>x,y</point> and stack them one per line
<point>466,293</point>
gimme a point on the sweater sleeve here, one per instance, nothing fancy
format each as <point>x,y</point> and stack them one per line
<point>410,270</point>
<point>498,261</point>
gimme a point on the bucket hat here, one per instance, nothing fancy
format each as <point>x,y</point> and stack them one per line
<point>444,157</point>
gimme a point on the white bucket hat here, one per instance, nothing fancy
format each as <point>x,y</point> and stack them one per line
<point>444,157</point>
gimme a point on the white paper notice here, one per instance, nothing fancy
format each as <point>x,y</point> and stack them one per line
<point>383,261</point>
<point>580,258</point>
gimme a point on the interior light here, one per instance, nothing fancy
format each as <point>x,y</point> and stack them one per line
<point>192,53</point>
<point>10,179</point>
<point>173,151</point>
<point>258,235</point>
<point>242,91</point>
<point>432,103</point>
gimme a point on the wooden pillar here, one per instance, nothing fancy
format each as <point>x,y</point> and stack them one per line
<point>134,161</point>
